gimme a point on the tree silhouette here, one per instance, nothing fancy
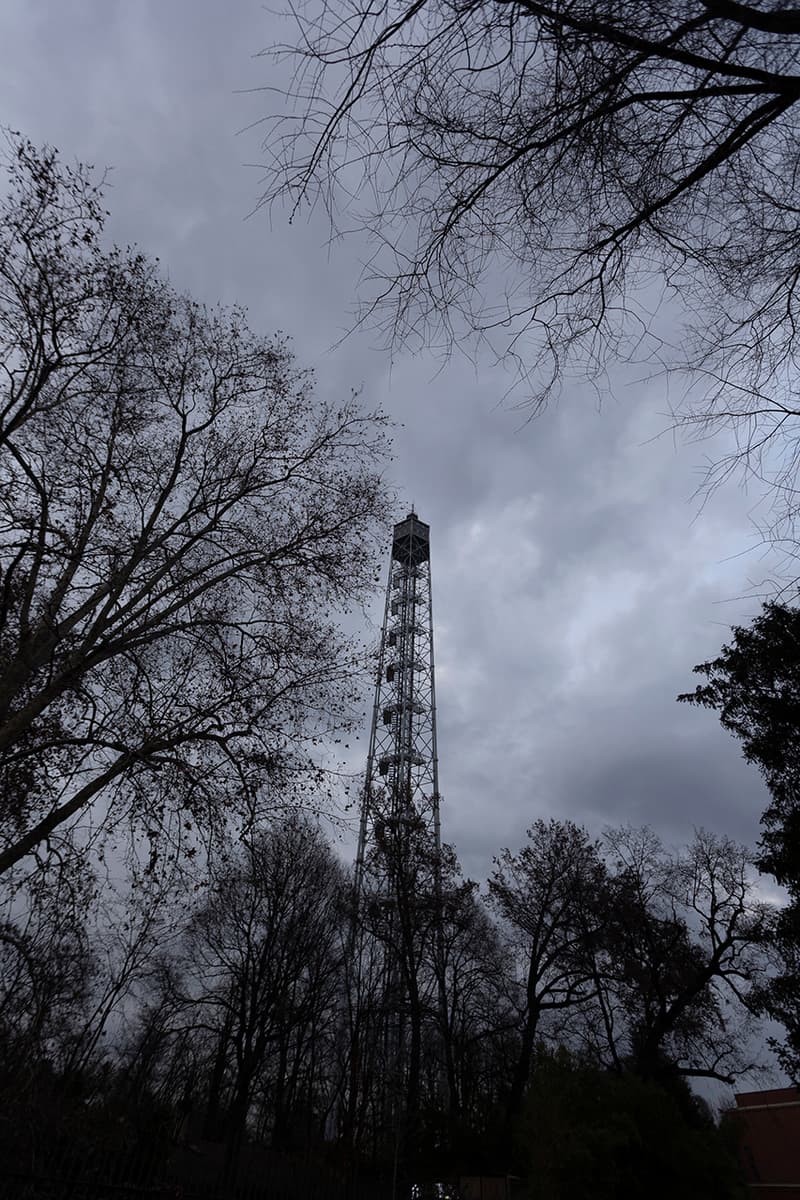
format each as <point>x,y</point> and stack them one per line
<point>181,521</point>
<point>754,686</point>
<point>543,174</point>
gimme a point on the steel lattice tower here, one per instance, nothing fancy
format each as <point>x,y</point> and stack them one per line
<point>402,782</point>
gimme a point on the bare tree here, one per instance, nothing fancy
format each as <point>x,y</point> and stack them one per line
<point>473,966</point>
<point>263,954</point>
<point>684,949</point>
<point>46,965</point>
<point>47,973</point>
<point>544,173</point>
<point>180,522</point>
<point>652,962</point>
<point>542,892</point>
<point>129,928</point>
<point>362,1069</point>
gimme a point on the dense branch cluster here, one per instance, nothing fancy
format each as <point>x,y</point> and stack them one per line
<point>181,520</point>
<point>569,137</point>
<point>544,173</point>
<point>268,1010</point>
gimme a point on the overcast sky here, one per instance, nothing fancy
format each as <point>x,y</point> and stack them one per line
<point>575,583</point>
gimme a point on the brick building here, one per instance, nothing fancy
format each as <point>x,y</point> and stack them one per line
<point>769,1124</point>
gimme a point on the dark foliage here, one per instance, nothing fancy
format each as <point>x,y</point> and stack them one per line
<point>587,1132</point>
<point>754,685</point>
<point>267,1021</point>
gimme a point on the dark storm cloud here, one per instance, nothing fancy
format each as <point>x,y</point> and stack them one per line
<point>574,583</point>
<point>575,587</point>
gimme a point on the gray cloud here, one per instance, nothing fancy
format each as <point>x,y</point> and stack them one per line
<point>574,583</point>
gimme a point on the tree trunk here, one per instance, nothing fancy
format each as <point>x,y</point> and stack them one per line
<point>211,1125</point>
<point>522,1067</point>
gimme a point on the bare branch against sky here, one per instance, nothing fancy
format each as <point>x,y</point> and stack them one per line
<point>577,574</point>
<point>574,583</point>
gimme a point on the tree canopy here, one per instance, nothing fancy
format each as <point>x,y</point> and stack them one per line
<point>181,521</point>
<point>754,686</point>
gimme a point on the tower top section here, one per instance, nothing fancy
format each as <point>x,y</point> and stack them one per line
<point>411,542</point>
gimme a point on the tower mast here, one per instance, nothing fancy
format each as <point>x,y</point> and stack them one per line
<point>402,776</point>
<point>398,874</point>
